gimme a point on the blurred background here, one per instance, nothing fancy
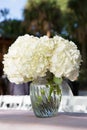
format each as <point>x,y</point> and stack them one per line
<point>67,18</point>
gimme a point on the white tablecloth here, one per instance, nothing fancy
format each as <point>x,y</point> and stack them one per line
<point>26,120</point>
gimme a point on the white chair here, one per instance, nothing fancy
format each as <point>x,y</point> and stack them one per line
<point>11,102</point>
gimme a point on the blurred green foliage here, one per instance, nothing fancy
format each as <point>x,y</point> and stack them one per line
<point>11,28</point>
<point>83,78</point>
<point>42,16</point>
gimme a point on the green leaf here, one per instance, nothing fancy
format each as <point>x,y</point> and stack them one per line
<point>57,80</point>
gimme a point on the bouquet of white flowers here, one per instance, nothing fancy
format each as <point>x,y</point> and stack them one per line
<point>30,57</point>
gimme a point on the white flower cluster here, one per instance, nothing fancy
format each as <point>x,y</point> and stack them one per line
<point>29,57</point>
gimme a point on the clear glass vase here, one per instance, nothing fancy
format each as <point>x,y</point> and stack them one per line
<point>45,98</point>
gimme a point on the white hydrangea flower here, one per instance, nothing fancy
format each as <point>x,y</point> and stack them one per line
<point>26,59</point>
<point>30,57</point>
<point>65,60</point>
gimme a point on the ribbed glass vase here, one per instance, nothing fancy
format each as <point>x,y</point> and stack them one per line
<point>45,98</point>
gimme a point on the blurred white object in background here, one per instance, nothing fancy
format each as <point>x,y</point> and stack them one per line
<point>71,104</point>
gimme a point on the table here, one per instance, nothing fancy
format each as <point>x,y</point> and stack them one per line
<point>26,120</point>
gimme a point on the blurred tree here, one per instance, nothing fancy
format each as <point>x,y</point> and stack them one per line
<point>76,19</point>
<point>63,4</point>
<point>42,17</point>
<point>4,12</point>
<point>12,28</point>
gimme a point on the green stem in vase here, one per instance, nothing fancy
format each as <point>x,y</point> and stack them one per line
<point>47,96</point>
<point>54,85</point>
